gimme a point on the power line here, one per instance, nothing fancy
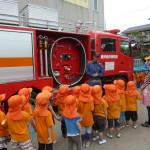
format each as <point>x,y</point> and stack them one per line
<point>137,10</point>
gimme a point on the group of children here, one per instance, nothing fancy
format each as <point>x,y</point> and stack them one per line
<point>86,113</point>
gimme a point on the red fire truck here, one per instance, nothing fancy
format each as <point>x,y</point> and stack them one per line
<point>31,57</point>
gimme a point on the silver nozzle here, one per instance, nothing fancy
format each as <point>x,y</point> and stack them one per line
<point>67,68</point>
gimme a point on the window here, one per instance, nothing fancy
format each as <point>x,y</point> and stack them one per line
<point>95,4</point>
<point>125,48</point>
<point>92,44</point>
<point>108,45</point>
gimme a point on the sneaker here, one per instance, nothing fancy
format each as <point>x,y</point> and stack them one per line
<point>146,122</point>
<point>65,136</point>
<point>55,142</point>
<point>87,144</point>
<point>95,138</point>
<point>84,144</point>
<point>127,125</point>
<point>102,141</point>
<point>134,126</point>
<point>109,135</point>
<point>118,135</point>
<point>122,127</point>
<point>145,125</point>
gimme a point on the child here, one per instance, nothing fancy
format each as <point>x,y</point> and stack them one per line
<point>131,95</point>
<point>25,93</point>
<point>61,96</point>
<point>76,91</point>
<point>113,110</point>
<point>44,122</point>
<point>72,121</point>
<point>120,84</point>
<point>26,105</point>
<point>3,130</point>
<point>17,122</point>
<point>99,114</point>
<point>85,108</point>
<point>50,106</point>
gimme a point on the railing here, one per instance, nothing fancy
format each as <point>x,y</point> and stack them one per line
<point>137,62</point>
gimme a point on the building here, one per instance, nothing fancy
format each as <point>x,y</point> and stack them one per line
<point>144,31</point>
<point>73,14</point>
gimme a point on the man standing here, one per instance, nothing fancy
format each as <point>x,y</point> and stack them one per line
<point>95,71</point>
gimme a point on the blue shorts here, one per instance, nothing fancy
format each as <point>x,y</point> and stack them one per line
<point>122,117</point>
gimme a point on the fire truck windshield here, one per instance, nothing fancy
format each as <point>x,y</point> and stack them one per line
<point>108,45</point>
<point>125,47</point>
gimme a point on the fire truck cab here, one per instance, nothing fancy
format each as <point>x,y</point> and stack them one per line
<point>116,56</point>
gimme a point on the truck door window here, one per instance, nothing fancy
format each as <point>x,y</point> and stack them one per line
<point>92,44</point>
<point>125,48</point>
<point>108,45</point>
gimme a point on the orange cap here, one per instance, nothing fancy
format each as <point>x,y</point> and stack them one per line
<point>85,88</point>
<point>120,84</point>
<point>96,89</point>
<point>131,84</point>
<point>2,97</point>
<point>97,94</point>
<point>70,100</point>
<point>112,88</point>
<point>14,111</point>
<point>43,98</point>
<point>106,86</point>
<point>25,91</point>
<point>131,88</point>
<point>70,110</point>
<point>14,101</point>
<point>48,88</point>
<point>112,94</point>
<point>63,89</point>
<point>62,93</point>
<point>115,82</point>
<point>85,93</point>
<point>76,91</point>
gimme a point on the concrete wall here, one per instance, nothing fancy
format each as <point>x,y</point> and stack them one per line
<point>69,12</point>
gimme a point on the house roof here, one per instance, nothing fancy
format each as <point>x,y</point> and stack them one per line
<point>137,28</point>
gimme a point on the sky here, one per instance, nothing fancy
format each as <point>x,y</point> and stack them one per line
<point>122,14</point>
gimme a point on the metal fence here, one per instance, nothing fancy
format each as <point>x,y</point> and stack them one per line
<point>137,62</point>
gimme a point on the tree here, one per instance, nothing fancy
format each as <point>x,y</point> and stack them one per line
<point>139,43</point>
